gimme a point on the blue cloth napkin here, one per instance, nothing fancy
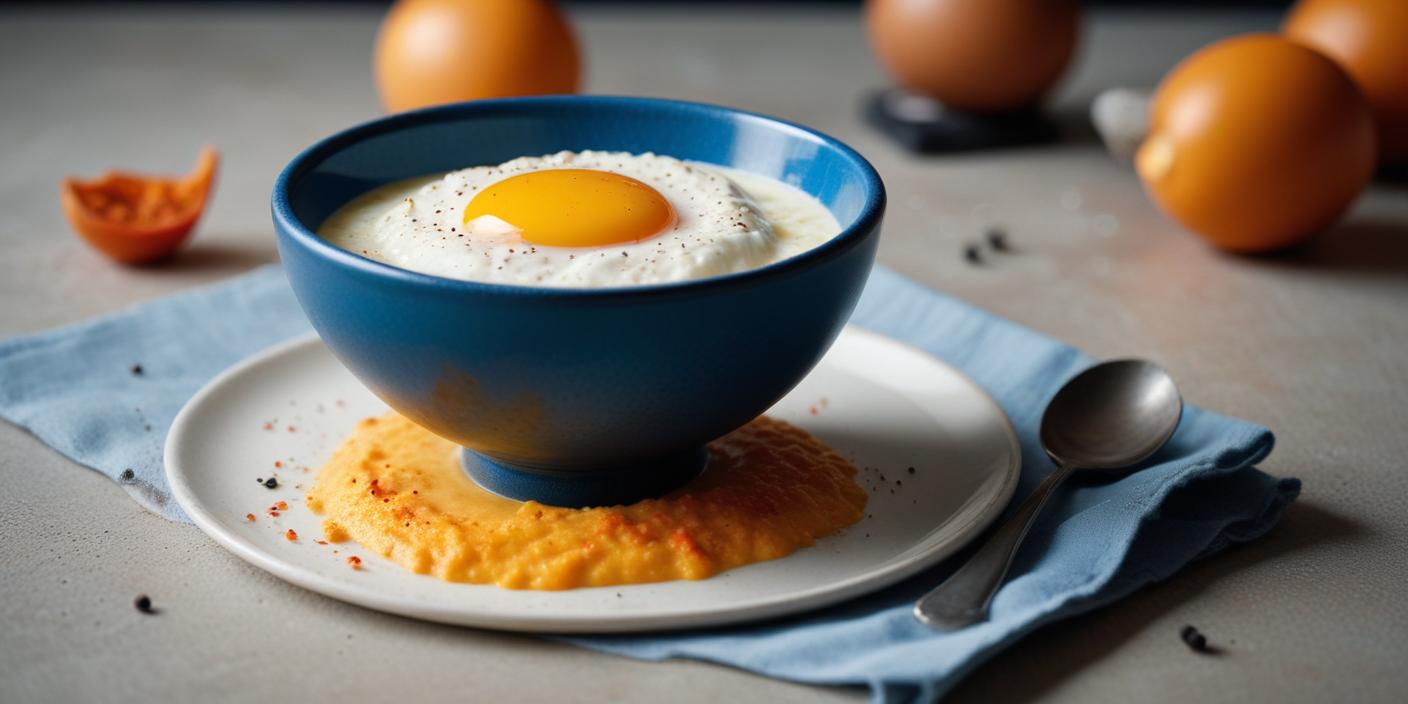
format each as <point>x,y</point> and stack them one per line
<point>77,389</point>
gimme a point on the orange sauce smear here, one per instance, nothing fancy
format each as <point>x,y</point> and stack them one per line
<point>399,491</point>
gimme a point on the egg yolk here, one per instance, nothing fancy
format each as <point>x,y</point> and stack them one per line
<point>575,207</point>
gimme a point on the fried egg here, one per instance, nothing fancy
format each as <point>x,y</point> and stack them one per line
<point>582,219</point>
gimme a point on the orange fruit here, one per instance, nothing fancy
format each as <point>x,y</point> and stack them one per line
<point>430,52</point>
<point>1369,39</point>
<point>1256,143</point>
<point>975,55</point>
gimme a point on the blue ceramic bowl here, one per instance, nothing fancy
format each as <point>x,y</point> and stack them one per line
<point>577,396</point>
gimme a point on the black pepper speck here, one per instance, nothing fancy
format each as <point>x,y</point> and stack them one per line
<point>972,254</point>
<point>1196,641</point>
<point>997,239</point>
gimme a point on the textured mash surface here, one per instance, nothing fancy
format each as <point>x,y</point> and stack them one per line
<point>397,489</point>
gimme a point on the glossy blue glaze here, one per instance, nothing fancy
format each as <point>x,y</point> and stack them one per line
<point>572,381</point>
<point>607,486</point>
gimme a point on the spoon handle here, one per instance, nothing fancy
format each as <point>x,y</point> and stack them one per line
<point>962,600</point>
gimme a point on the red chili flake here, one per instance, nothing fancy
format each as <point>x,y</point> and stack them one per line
<point>268,426</point>
<point>278,464</point>
<point>290,535</point>
<point>292,429</point>
<point>282,505</point>
<point>355,562</point>
<point>249,517</point>
<point>321,542</point>
<point>812,410</point>
<point>273,513</point>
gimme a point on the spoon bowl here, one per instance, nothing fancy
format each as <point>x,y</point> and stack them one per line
<point>1111,416</point>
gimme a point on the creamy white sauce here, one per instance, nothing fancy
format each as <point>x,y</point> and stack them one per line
<point>727,221</point>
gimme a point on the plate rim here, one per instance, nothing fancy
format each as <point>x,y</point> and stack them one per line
<point>589,622</point>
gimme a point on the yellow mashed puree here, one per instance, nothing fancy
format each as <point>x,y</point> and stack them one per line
<point>398,490</point>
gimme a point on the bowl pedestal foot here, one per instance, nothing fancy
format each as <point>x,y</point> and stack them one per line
<point>577,488</point>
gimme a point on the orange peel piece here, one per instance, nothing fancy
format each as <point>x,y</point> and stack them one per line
<point>135,218</point>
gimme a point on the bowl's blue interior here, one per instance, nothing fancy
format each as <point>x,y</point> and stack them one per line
<point>490,132</point>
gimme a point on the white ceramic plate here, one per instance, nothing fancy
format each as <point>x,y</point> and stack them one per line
<point>885,405</point>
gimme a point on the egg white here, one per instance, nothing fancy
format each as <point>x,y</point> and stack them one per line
<point>720,227</point>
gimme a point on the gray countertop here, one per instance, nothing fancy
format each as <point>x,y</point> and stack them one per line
<point>1310,344</point>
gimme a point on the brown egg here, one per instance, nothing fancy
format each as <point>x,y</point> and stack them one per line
<point>1369,38</point>
<point>1257,142</point>
<point>430,52</point>
<point>975,55</point>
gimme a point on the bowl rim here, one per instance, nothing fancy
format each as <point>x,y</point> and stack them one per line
<point>289,226</point>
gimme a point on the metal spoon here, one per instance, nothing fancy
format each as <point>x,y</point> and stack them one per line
<point>1108,417</point>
